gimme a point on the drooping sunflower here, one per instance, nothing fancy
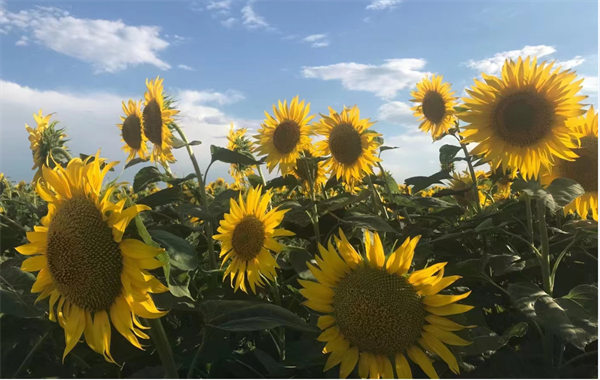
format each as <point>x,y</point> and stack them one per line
<point>375,312</point>
<point>306,169</point>
<point>436,108</point>
<point>156,118</point>
<point>239,142</point>
<point>247,234</point>
<point>285,135</point>
<point>132,131</point>
<point>519,120</point>
<point>464,181</point>
<point>351,146</point>
<point>85,266</point>
<point>584,170</point>
<point>43,138</point>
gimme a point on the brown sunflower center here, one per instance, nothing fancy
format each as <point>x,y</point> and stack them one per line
<point>434,107</point>
<point>345,144</point>
<point>153,122</point>
<point>248,238</point>
<point>286,136</point>
<point>584,170</point>
<point>523,118</point>
<point>377,312</point>
<point>132,131</point>
<point>84,259</point>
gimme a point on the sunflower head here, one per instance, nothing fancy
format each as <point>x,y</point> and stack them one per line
<point>349,142</point>
<point>375,312</point>
<point>43,139</point>
<point>247,235</point>
<point>132,130</point>
<point>435,107</point>
<point>583,170</point>
<point>238,141</point>
<point>284,135</point>
<point>464,181</point>
<point>86,267</point>
<point>156,117</point>
<point>519,120</point>
<point>308,169</point>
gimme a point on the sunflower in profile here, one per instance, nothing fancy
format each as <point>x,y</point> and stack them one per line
<point>584,170</point>
<point>237,141</point>
<point>349,142</point>
<point>436,108</point>
<point>518,121</point>
<point>375,312</point>
<point>309,170</point>
<point>85,266</point>
<point>464,181</point>
<point>247,234</point>
<point>156,118</point>
<point>132,131</point>
<point>43,138</point>
<point>285,135</point>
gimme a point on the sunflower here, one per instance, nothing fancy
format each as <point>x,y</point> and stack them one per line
<point>436,108</point>
<point>463,181</point>
<point>284,136</point>
<point>519,120</point>
<point>349,142</point>
<point>132,131</point>
<point>247,234</point>
<point>237,141</point>
<point>375,312</point>
<point>85,266</point>
<point>306,169</point>
<point>156,119</point>
<point>583,170</point>
<point>43,138</point>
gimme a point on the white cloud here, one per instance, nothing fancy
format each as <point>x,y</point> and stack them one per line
<point>219,5</point>
<point>379,5</point>
<point>383,80</point>
<point>23,41</point>
<point>177,39</point>
<point>108,45</point>
<point>397,113</point>
<point>317,40</point>
<point>229,22</point>
<point>320,44</point>
<point>493,65</point>
<point>186,67</point>
<point>252,20</point>
<point>569,64</point>
<point>90,119</point>
<point>590,85</point>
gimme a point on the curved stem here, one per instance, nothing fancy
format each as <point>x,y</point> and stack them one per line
<point>470,165</point>
<point>157,332</point>
<point>558,260</point>
<point>190,373</point>
<point>545,257</point>
<point>275,287</point>
<point>582,356</point>
<point>63,152</point>
<point>262,176</point>
<point>30,354</point>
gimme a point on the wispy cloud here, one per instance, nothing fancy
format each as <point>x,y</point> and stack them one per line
<point>569,64</point>
<point>317,40</point>
<point>383,80</point>
<point>230,22</point>
<point>186,67</point>
<point>252,20</point>
<point>379,5</point>
<point>397,113</point>
<point>493,65</point>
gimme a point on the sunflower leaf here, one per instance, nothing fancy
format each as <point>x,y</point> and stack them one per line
<point>182,254</point>
<point>135,161</point>
<point>564,191</point>
<point>231,157</point>
<point>419,183</point>
<point>447,153</point>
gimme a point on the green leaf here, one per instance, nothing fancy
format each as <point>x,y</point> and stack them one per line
<point>503,264</point>
<point>15,292</point>
<point>182,254</point>
<point>178,144</point>
<point>231,157</point>
<point>135,161</point>
<point>370,222</point>
<point>342,200</point>
<point>585,296</point>
<point>162,197</point>
<point>331,182</point>
<point>254,180</point>
<point>460,109</point>
<point>486,341</point>
<point>420,183</point>
<point>250,316</point>
<point>447,153</point>
<point>146,176</point>
<point>384,148</point>
<point>288,181</point>
<point>535,190</point>
<point>564,191</point>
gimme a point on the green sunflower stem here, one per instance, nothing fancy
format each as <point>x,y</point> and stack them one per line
<point>262,176</point>
<point>161,342</point>
<point>546,275</point>
<point>63,153</point>
<point>376,199</point>
<point>37,345</point>
<point>529,217</point>
<point>275,287</point>
<point>314,219</point>
<point>390,193</point>
<point>212,257</point>
<point>469,160</point>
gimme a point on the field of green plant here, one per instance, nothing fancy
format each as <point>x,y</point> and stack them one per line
<point>485,269</point>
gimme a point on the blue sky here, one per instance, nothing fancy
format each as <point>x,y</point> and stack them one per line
<point>228,61</point>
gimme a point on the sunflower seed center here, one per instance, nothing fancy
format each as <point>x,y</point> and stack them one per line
<point>434,107</point>
<point>132,131</point>
<point>248,238</point>
<point>378,312</point>
<point>153,122</point>
<point>584,170</point>
<point>84,260</point>
<point>345,144</point>
<point>286,136</point>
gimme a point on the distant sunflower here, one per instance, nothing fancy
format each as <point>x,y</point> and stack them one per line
<point>376,312</point>
<point>351,146</point>
<point>463,181</point>
<point>156,119</point>
<point>305,170</point>
<point>132,131</point>
<point>85,264</point>
<point>436,108</point>
<point>237,141</point>
<point>518,121</point>
<point>282,137</point>
<point>584,170</point>
<point>43,138</point>
<point>247,234</point>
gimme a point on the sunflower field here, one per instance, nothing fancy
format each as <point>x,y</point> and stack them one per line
<point>485,269</point>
